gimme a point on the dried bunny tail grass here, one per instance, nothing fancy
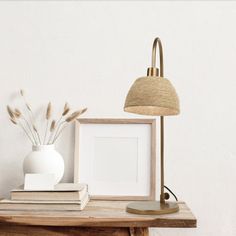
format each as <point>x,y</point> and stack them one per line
<point>37,133</point>
<point>70,118</point>
<point>48,116</point>
<point>34,128</point>
<point>31,119</point>
<point>13,120</point>
<point>66,106</point>
<point>17,113</point>
<point>66,109</point>
<point>10,112</point>
<point>83,110</point>
<point>75,115</point>
<point>53,126</point>
<point>65,112</point>
<point>22,92</point>
<point>49,111</point>
<point>52,130</point>
<point>28,106</point>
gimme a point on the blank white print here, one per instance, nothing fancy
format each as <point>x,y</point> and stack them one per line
<point>114,159</point>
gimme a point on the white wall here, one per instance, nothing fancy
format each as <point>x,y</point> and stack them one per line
<point>89,53</point>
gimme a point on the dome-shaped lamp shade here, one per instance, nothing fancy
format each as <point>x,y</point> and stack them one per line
<point>152,95</point>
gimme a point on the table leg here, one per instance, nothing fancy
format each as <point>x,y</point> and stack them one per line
<point>138,231</point>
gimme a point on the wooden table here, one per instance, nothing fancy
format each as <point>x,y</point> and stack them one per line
<point>99,218</point>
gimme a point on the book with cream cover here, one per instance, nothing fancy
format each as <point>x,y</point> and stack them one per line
<point>25,205</point>
<point>61,192</point>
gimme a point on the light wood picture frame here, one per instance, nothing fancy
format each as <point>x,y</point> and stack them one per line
<point>104,146</point>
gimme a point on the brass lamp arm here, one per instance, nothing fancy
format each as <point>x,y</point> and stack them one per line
<point>154,49</point>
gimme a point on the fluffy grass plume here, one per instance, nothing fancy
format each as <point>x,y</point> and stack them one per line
<point>49,111</point>
<point>17,117</point>
<point>75,115</point>
<point>53,126</point>
<point>10,112</point>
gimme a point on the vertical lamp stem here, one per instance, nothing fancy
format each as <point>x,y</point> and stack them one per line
<point>158,41</point>
<point>162,197</point>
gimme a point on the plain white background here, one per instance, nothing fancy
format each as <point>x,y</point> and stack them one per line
<point>89,53</point>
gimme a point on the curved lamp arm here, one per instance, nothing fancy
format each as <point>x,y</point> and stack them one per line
<point>153,71</point>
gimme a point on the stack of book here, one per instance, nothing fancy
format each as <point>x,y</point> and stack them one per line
<point>68,197</point>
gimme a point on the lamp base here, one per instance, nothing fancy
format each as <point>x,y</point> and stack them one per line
<point>152,207</point>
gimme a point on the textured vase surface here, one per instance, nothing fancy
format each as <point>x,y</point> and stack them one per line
<point>44,159</point>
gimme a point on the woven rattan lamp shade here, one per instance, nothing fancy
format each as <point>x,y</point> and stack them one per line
<point>152,95</point>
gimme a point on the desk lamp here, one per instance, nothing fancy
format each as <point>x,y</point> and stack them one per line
<point>154,95</point>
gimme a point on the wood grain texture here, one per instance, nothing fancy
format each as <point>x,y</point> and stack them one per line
<point>16,230</point>
<point>151,122</point>
<point>139,232</point>
<point>100,214</point>
<point>114,121</point>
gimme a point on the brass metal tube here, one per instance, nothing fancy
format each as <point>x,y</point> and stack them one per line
<point>154,49</point>
<point>162,197</point>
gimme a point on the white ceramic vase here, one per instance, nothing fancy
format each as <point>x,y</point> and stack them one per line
<point>44,159</point>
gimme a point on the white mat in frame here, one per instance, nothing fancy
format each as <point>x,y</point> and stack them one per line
<point>116,158</point>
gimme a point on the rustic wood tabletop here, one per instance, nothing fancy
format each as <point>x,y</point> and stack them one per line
<point>98,218</point>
